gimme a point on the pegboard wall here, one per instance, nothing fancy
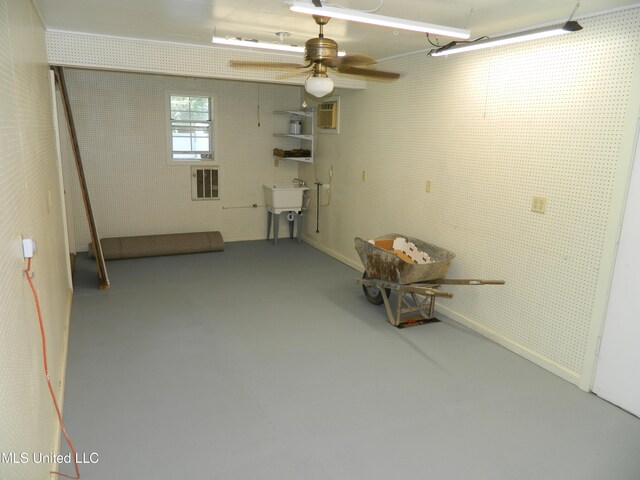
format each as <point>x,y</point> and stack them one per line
<point>122,132</point>
<point>114,53</point>
<point>491,129</point>
<point>30,205</point>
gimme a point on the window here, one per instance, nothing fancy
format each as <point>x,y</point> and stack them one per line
<point>191,138</point>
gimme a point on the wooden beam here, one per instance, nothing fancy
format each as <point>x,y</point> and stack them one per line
<point>103,277</point>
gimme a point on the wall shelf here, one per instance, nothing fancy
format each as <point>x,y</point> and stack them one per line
<point>303,140</point>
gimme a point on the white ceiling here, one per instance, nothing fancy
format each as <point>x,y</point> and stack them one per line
<point>195,21</point>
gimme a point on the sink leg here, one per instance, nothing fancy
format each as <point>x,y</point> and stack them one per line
<point>269,216</point>
<point>299,225</point>
<point>276,227</point>
<point>291,224</point>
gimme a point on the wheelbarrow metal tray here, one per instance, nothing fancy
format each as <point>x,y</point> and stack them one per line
<point>385,265</point>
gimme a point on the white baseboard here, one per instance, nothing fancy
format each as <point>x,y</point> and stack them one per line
<point>63,374</point>
<point>333,253</point>
<point>248,238</point>
<point>509,344</point>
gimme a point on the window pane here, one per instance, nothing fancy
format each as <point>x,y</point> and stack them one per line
<point>180,115</point>
<point>199,116</point>
<point>179,103</point>
<point>200,104</point>
<point>186,115</point>
<point>181,130</point>
<point>181,144</point>
<point>200,144</point>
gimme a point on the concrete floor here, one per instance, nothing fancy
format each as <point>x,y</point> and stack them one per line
<point>266,362</point>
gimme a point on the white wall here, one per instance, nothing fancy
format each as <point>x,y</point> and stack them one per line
<point>121,124</point>
<point>30,204</point>
<point>618,373</point>
<point>491,129</point>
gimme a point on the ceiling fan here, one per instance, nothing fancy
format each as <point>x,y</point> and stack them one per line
<point>320,54</point>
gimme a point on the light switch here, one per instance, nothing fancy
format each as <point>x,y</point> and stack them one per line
<point>539,204</point>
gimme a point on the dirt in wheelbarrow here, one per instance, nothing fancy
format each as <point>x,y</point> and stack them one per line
<point>380,266</point>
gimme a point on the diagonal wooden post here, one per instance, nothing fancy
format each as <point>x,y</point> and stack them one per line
<point>102,267</point>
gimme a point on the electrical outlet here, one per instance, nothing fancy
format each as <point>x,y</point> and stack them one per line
<point>331,172</point>
<point>427,186</point>
<point>539,204</point>
<point>364,175</point>
<point>28,247</point>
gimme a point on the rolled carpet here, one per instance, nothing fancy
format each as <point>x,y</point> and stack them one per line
<point>157,245</point>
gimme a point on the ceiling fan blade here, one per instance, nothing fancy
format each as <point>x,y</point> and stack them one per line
<point>295,73</point>
<point>273,65</point>
<point>367,72</point>
<point>355,59</point>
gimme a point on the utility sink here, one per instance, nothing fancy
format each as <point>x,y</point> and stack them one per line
<point>283,197</point>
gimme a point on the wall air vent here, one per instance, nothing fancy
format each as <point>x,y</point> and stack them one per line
<point>328,114</point>
<point>204,183</point>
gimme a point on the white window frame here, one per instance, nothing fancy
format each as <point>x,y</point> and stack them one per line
<point>212,131</point>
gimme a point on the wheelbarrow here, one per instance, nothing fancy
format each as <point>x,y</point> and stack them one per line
<point>411,268</point>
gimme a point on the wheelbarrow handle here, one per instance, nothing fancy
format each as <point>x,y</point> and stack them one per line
<point>464,281</point>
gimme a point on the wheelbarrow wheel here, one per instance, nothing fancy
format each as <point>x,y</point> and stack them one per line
<point>373,294</point>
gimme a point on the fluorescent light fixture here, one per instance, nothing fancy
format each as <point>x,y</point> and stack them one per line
<point>373,19</point>
<point>459,47</point>
<point>238,42</point>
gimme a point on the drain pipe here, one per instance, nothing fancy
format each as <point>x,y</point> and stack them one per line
<point>318,185</point>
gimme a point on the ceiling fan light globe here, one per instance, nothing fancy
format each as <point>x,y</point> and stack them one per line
<point>318,86</point>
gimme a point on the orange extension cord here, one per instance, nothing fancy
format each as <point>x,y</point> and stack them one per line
<point>46,371</point>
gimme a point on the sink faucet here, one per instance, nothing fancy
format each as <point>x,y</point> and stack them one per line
<point>300,182</point>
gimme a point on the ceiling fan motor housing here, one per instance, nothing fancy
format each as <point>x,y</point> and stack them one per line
<point>317,49</point>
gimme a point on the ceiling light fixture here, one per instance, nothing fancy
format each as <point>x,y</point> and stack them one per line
<point>374,19</point>
<point>249,43</point>
<point>459,47</point>
<point>318,85</point>
<point>242,42</point>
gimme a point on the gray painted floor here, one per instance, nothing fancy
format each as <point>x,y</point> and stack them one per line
<point>266,362</point>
